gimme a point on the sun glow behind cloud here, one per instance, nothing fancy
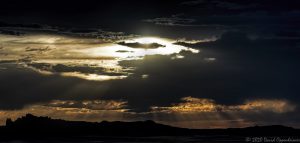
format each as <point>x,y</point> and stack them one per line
<point>127,53</point>
<point>136,53</point>
<point>57,50</point>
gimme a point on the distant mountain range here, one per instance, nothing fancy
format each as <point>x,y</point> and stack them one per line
<point>31,128</point>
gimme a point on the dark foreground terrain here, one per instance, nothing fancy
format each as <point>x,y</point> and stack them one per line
<point>44,129</point>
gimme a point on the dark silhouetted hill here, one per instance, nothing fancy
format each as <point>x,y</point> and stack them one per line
<point>32,127</point>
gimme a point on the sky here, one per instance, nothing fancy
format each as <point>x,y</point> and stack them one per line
<point>185,63</point>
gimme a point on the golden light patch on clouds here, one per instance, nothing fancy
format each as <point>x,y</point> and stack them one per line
<point>194,105</point>
<point>54,39</point>
<point>190,104</point>
<point>191,113</point>
<point>91,104</point>
<point>278,106</point>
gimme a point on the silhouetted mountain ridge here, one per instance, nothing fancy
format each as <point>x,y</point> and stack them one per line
<point>31,126</point>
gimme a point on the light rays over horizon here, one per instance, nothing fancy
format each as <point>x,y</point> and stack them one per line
<point>192,113</point>
<point>135,78</point>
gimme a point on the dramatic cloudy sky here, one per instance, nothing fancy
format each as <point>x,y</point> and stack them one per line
<point>187,63</point>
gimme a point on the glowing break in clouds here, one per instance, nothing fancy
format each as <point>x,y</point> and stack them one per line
<point>194,105</point>
<point>90,59</point>
<point>123,52</point>
<point>91,105</point>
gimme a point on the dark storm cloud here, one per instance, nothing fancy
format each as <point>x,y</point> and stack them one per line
<point>241,42</point>
<point>21,87</point>
<point>83,14</point>
<point>215,15</point>
<point>24,25</point>
<point>19,29</point>
<point>243,69</point>
<point>132,10</point>
<point>85,69</point>
<point>11,32</point>
<point>256,20</point>
<point>262,17</point>
<point>23,29</point>
<point>124,51</point>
